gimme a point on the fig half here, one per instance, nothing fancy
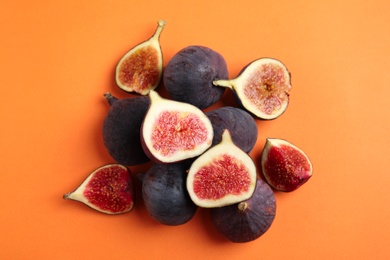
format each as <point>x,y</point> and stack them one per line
<point>109,189</point>
<point>285,166</point>
<point>140,69</point>
<point>173,131</point>
<point>221,176</point>
<point>248,220</point>
<point>262,87</point>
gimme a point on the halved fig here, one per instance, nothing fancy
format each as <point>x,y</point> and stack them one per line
<point>221,176</point>
<point>189,75</point>
<point>109,189</point>
<point>165,195</point>
<point>140,69</point>
<point>262,87</point>
<point>173,131</point>
<point>285,166</point>
<point>121,129</point>
<point>248,220</point>
<point>241,125</point>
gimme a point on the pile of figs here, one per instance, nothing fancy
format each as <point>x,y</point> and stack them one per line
<point>198,158</point>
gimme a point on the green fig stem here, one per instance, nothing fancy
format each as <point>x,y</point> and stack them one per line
<point>157,33</point>
<point>224,83</point>
<point>110,98</point>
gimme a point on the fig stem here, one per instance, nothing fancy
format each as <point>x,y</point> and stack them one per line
<point>224,83</point>
<point>110,98</point>
<point>242,206</point>
<point>161,24</point>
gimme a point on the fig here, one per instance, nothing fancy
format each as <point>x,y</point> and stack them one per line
<point>241,125</point>
<point>140,69</point>
<point>262,88</point>
<point>173,131</point>
<point>189,75</point>
<point>221,176</point>
<point>108,189</point>
<point>248,220</point>
<point>165,195</point>
<point>121,129</point>
<point>285,167</point>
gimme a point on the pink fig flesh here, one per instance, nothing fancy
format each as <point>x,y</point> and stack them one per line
<point>109,189</point>
<point>285,166</point>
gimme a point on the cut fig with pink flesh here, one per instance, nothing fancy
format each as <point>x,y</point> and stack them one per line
<point>221,176</point>
<point>140,69</point>
<point>285,166</point>
<point>248,220</point>
<point>262,88</point>
<point>109,189</point>
<point>173,131</point>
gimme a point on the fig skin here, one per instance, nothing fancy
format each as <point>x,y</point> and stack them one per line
<point>241,125</point>
<point>189,76</point>
<point>165,195</point>
<point>248,220</point>
<point>284,166</point>
<point>109,189</point>
<point>121,129</point>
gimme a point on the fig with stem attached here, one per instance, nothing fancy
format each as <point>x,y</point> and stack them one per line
<point>140,69</point>
<point>262,87</point>
<point>109,189</point>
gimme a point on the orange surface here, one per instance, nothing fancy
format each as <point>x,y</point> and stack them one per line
<point>57,58</point>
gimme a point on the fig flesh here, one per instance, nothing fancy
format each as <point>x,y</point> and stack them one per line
<point>109,189</point>
<point>241,125</point>
<point>174,131</point>
<point>248,220</point>
<point>121,129</point>
<point>165,195</point>
<point>285,166</point>
<point>140,69</point>
<point>262,87</point>
<point>189,75</point>
<point>221,176</point>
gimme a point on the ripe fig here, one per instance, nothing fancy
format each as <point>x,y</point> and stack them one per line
<point>285,166</point>
<point>248,220</point>
<point>140,69</point>
<point>189,75</point>
<point>240,124</point>
<point>109,189</point>
<point>173,131</point>
<point>262,88</point>
<point>165,195</point>
<point>221,176</point>
<point>121,129</point>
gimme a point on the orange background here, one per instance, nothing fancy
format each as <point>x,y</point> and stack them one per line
<point>57,58</point>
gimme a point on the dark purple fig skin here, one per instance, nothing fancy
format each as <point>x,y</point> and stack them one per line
<point>165,195</point>
<point>121,129</point>
<point>244,225</point>
<point>188,76</point>
<point>241,125</point>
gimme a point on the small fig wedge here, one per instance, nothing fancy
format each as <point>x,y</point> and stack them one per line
<point>109,189</point>
<point>121,129</point>
<point>140,69</point>
<point>173,131</point>
<point>165,195</point>
<point>262,88</point>
<point>285,166</point>
<point>248,220</point>
<point>221,176</point>
<point>189,75</point>
<point>241,125</point>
